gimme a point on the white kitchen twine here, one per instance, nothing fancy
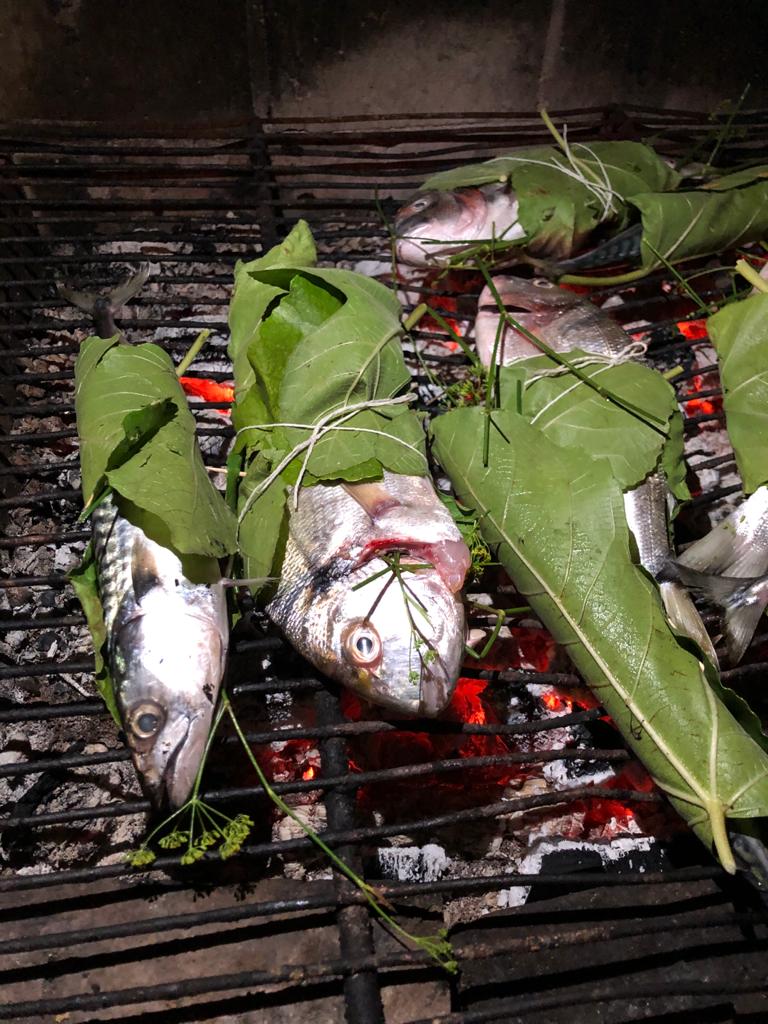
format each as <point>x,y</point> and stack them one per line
<point>632,351</point>
<point>323,426</point>
<point>601,190</point>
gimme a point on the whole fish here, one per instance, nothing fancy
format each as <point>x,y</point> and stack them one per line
<point>167,637</point>
<point>729,566</point>
<point>166,648</point>
<point>565,321</point>
<point>369,590</point>
<point>437,224</point>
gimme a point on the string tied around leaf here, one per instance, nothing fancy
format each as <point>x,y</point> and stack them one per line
<point>333,420</point>
<point>631,352</point>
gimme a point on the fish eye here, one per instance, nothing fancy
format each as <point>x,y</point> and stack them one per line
<point>363,644</point>
<point>543,282</point>
<point>146,719</point>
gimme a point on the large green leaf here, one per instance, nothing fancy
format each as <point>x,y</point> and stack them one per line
<point>85,585</point>
<point>562,201</point>
<point>739,332</point>
<point>556,517</point>
<point>151,459</point>
<point>322,346</point>
<point>738,178</point>
<point>264,526</point>
<point>572,414</point>
<point>250,301</point>
<point>682,225</point>
<point>335,345</point>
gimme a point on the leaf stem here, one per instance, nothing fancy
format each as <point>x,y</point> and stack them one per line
<point>600,282</point>
<point>416,315</point>
<point>749,273</point>
<point>192,352</point>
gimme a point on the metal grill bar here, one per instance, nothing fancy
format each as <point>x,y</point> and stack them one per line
<point>158,198</point>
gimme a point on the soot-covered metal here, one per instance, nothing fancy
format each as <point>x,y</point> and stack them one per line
<point>518,821</point>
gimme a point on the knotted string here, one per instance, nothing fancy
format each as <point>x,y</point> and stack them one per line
<point>333,420</point>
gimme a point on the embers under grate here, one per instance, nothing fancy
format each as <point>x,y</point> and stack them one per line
<point>548,916</point>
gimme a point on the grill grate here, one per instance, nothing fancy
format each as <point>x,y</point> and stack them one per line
<point>278,936</point>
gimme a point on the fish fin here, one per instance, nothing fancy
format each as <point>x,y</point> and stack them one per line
<point>684,617</point>
<point>373,498</point>
<point>740,620</point>
<point>717,589</point>
<point>130,288</point>
<point>725,551</point>
<point>621,248</point>
<point>739,625</point>
<point>114,300</point>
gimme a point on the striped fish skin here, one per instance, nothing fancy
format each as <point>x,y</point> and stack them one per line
<point>166,649</point>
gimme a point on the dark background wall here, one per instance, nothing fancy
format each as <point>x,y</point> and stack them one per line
<point>216,62</point>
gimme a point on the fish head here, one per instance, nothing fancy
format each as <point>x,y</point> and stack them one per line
<point>396,639</point>
<point>170,662</point>
<point>400,638</point>
<point>435,224</point>
<point>539,305</point>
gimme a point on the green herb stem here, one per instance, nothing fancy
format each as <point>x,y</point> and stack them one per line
<point>465,348</point>
<point>690,292</point>
<point>192,352</point>
<point>438,948</point>
<point>648,418</point>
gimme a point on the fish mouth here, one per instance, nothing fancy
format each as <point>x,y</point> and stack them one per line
<point>169,769</point>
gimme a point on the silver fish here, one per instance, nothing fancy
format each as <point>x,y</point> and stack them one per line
<point>565,321</point>
<point>729,566</point>
<point>435,225</point>
<point>167,637</point>
<point>398,642</point>
<point>166,648</point>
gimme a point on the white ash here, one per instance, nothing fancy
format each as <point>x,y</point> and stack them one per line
<point>531,864</point>
<point>413,863</point>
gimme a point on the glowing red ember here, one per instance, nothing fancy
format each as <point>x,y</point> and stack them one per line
<point>693,330</point>
<point>208,390</point>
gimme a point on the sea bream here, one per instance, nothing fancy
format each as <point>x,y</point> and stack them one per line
<point>369,590</point>
<point>166,636</point>
<point>564,321</point>
<point>435,225</point>
<point>166,648</point>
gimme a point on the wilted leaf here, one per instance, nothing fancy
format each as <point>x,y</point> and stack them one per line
<point>561,204</point>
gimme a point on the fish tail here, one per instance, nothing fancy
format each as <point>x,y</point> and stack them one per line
<point>740,618</point>
<point>684,617</point>
<point>103,308</point>
<point>622,248</point>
